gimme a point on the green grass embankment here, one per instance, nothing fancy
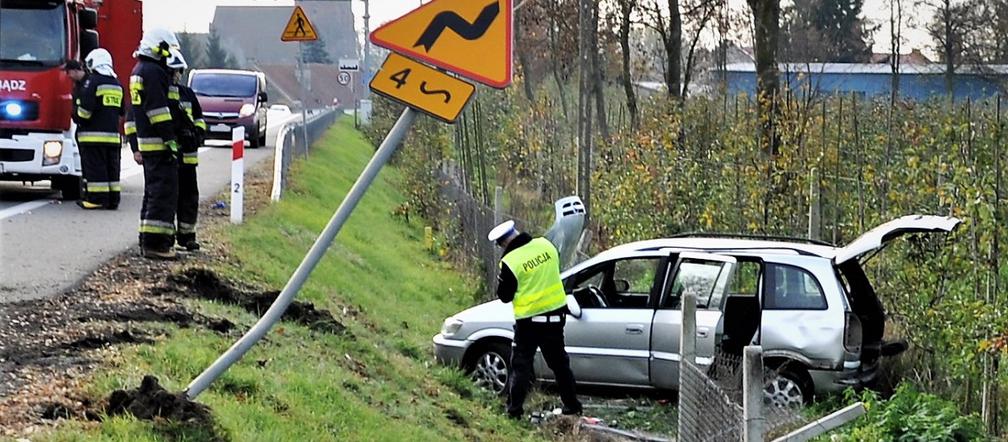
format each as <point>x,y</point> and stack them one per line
<point>378,382</point>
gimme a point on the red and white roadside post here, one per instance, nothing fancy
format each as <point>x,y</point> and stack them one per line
<point>237,174</point>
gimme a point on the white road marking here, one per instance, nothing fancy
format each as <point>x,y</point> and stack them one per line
<point>22,208</point>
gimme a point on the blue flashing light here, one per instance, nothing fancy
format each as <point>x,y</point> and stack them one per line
<point>13,110</point>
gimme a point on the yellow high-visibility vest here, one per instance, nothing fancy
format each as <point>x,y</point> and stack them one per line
<point>536,266</point>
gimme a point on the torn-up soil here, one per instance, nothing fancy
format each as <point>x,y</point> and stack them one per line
<point>205,284</point>
<point>151,401</point>
<point>49,347</point>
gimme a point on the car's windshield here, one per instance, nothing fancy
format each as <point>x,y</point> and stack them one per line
<point>224,85</point>
<point>33,33</point>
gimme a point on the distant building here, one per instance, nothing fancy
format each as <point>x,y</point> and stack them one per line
<point>915,57</point>
<point>252,33</point>
<point>285,85</point>
<point>917,81</point>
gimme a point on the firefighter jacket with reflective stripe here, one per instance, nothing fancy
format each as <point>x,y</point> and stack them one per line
<point>97,109</point>
<point>536,266</point>
<point>187,116</point>
<point>150,117</point>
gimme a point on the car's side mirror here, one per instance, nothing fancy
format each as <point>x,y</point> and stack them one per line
<point>263,97</point>
<point>622,285</point>
<point>573,308</point>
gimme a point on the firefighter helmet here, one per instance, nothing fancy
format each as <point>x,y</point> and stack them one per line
<point>176,61</point>
<point>100,60</point>
<point>157,43</point>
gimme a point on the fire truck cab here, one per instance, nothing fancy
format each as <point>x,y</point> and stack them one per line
<point>39,37</point>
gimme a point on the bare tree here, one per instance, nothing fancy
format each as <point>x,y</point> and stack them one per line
<point>626,9</point>
<point>669,29</point>
<point>766,30</point>
<point>597,73</point>
<point>895,43</point>
<point>585,101</point>
<point>698,15</point>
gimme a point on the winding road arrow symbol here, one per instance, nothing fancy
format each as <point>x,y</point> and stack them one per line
<point>466,30</point>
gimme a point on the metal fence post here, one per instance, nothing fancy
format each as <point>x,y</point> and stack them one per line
<point>752,393</point>
<point>687,355</point>
<point>813,210</point>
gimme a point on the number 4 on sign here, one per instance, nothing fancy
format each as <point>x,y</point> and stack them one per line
<point>423,88</point>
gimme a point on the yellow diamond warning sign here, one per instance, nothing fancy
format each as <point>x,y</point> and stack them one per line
<point>472,38</point>
<point>299,28</point>
<point>422,87</point>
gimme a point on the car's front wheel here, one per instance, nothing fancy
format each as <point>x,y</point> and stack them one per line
<point>490,367</point>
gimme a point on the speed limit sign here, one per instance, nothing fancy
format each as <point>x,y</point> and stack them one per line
<point>344,78</point>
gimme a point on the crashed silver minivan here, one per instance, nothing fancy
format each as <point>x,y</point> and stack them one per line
<point>810,305</point>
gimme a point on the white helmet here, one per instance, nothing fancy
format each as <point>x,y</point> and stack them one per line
<point>157,42</point>
<point>100,60</point>
<point>176,60</point>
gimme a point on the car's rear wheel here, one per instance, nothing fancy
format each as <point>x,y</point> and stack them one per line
<point>787,386</point>
<point>490,367</point>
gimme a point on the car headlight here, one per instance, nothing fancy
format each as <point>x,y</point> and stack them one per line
<point>51,150</point>
<point>246,110</point>
<point>450,327</point>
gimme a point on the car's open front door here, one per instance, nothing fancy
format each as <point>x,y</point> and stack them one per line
<point>705,275</point>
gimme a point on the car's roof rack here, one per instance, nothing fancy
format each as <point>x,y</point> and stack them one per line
<point>751,236</point>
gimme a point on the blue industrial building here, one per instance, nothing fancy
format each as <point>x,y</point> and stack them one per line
<point>917,81</point>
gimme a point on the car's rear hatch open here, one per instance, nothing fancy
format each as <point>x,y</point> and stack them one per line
<point>869,315</point>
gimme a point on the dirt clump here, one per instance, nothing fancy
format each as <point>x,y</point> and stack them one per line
<point>152,402</point>
<point>206,284</point>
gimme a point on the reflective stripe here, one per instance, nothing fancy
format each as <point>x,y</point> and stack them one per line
<point>130,128</point>
<point>99,137</point>
<point>173,93</point>
<point>186,228</point>
<point>153,144</point>
<point>111,95</point>
<point>155,226</point>
<point>190,158</point>
<point>99,187</point>
<point>115,186</point>
<point>136,85</point>
<point>201,124</point>
<point>159,115</point>
<point>83,113</point>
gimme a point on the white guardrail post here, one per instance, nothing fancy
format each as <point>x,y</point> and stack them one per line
<point>237,174</point>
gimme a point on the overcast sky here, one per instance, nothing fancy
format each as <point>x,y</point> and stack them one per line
<point>195,16</point>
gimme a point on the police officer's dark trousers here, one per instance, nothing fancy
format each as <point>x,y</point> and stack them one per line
<point>100,164</point>
<point>188,198</point>
<point>549,337</point>
<point>157,214</point>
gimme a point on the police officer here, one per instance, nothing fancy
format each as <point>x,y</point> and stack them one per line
<point>156,147</point>
<point>98,107</point>
<point>190,129</point>
<point>529,278</point>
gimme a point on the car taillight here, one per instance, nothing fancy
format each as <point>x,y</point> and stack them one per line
<point>852,333</point>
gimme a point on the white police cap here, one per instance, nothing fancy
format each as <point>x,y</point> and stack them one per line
<point>503,230</point>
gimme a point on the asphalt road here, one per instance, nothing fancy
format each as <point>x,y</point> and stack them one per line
<point>47,245</point>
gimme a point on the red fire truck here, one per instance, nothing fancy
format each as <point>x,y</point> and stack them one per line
<point>37,37</point>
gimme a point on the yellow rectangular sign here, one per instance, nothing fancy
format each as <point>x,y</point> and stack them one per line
<point>421,87</point>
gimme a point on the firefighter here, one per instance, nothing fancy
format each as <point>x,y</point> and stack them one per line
<point>529,279</point>
<point>98,108</point>
<point>190,129</point>
<point>153,139</point>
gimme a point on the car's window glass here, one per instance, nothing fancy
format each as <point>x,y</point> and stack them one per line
<point>224,85</point>
<point>624,283</point>
<point>744,282</point>
<point>792,288</point>
<point>698,277</point>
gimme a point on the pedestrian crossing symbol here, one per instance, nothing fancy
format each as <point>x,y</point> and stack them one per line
<point>299,28</point>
